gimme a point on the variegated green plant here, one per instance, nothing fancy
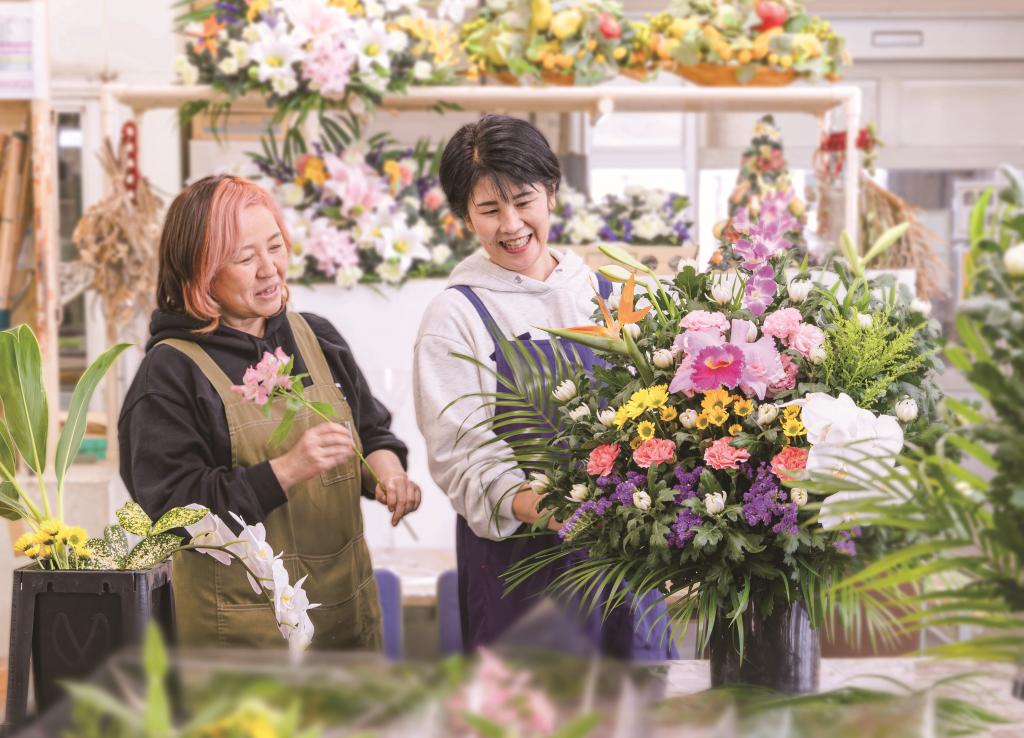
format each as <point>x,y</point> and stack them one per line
<point>113,550</point>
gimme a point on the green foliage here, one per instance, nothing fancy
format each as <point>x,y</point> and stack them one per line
<point>114,552</point>
<point>133,518</point>
<point>865,362</point>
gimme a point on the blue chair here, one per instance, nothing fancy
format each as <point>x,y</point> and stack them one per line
<point>448,617</point>
<point>389,589</point>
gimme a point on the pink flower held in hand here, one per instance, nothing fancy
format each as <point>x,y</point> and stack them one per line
<point>602,459</point>
<point>260,381</point>
<point>807,339</point>
<point>722,455</point>
<point>654,451</point>
<point>782,324</point>
<point>791,458</point>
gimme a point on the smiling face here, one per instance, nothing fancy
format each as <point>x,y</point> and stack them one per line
<point>250,287</point>
<point>515,233</point>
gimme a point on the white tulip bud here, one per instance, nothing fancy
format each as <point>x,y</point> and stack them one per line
<point>632,329</point>
<point>606,417</point>
<point>864,320</point>
<point>688,418</point>
<point>721,292</point>
<point>799,496</point>
<point>579,413</point>
<point>1013,259</point>
<point>663,359</point>
<point>539,482</point>
<point>714,503</point>
<point>766,414</point>
<point>579,492</point>
<point>906,410</point>
<point>818,355</point>
<point>799,289</point>
<point>565,391</point>
<point>751,333</point>
<point>641,500</point>
<point>923,307</point>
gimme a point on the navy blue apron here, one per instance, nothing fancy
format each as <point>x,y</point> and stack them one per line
<point>486,610</point>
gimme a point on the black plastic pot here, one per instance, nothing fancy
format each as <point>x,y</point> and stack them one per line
<point>64,625</point>
<point>780,652</point>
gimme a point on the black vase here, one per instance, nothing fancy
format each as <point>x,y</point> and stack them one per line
<point>781,651</point>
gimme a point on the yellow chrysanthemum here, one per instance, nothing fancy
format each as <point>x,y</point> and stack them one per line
<point>645,430</point>
<point>702,421</point>
<point>791,411</point>
<point>717,415</point>
<point>51,526</point>
<point>24,541</point>
<point>32,550</point>
<point>313,170</point>
<point>735,429</point>
<point>719,398</point>
<point>634,409</point>
<point>637,440</point>
<point>621,416</point>
<point>793,427</point>
<point>668,413</point>
<point>73,535</point>
<point>650,398</point>
<point>43,538</point>
<point>255,8</point>
<point>83,552</point>
<point>743,407</point>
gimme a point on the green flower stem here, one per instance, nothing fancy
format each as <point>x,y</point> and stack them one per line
<point>642,367</point>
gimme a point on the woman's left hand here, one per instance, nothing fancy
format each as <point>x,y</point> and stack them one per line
<point>400,494</point>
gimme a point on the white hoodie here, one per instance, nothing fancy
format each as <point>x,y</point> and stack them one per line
<point>474,482</point>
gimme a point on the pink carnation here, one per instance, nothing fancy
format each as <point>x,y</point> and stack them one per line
<point>702,320</point>
<point>788,382</point>
<point>602,459</point>
<point>807,339</point>
<point>722,455</point>
<point>782,324</point>
<point>654,451</point>
<point>791,458</point>
<point>433,199</point>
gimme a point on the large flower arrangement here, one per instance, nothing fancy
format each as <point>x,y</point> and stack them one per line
<point>639,216</point>
<point>677,464</point>
<point>749,38</point>
<point>363,210</point>
<point>564,42</point>
<point>307,54</point>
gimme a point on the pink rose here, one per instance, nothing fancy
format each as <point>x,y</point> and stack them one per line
<point>702,320</point>
<point>791,458</point>
<point>722,455</point>
<point>806,339</point>
<point>602,459</point>
<point>654,451</point>
<point>433,199</point>
<point>789,381</point>
<point>782,324</point>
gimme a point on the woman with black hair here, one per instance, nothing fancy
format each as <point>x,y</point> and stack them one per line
<point>501,177</point>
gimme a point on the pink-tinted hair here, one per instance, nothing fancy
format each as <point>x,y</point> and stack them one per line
<point>201,236</point>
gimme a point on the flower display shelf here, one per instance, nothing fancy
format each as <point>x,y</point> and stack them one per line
<point>723,75</point>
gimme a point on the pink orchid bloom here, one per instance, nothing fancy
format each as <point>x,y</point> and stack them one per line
<point>762,365</point>
<point>691,343</point>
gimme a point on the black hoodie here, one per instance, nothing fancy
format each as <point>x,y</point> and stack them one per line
<point>173,435</point>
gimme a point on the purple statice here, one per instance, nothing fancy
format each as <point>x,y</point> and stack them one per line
<point>766,503</point>
<point>687,487</point>
<point>760,290</point>
<point>229,13</point>
<point>596,507</point>
<point>624,490</point>
<point>607,233</point>
<point>612,480</point>
<point>567,210</point>
<point>555,232</point>
<point>845,544</point>
<point>627,230</point>
<point>681,230</point>
<point>685,528</point>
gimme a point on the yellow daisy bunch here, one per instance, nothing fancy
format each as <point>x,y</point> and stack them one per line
<point>792,425</point>
<point>719,398</point>
<point>742,406</point>
<point>50,535</point>
<point>645,430</point>
<point>668,414</point>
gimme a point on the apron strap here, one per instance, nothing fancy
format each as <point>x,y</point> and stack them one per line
<point>208,366</point>
<point>309,348</point>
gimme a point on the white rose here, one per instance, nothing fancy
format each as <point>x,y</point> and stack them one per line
<point>283,84</point>
<point>579,413</point>
<point>766,414</point>
<point>799,496</point>
<point>290,194</point>
<point>228,65</point>
<point>239,50</point>
<point>347,277</point>
<point>632,329</point>
<point>818,354</point>
<point>440,254</point>
<point>539,482</point>
<point>663,359</point>
<point>864,320</point>
<point>391,271</point>
<point>565,391</point>
<point>923,307</point>
<point>799,289</point>
<point>579,492</point>
<point>188,73</point>
<point>422,70</point>
<point>642,500</point>
<point>606,417</point>
<point>714,503</point>
<point>251,33</point>
<point>688,418</point>
<point>1013,259</point>
<point>906,410</point>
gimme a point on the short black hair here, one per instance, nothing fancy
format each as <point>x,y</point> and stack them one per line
<point>510,151</point>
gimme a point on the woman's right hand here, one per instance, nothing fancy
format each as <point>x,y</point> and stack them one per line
<point>524,507</point>
<point>320,448</point>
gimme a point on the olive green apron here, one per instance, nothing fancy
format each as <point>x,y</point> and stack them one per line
<point>319,530</point>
